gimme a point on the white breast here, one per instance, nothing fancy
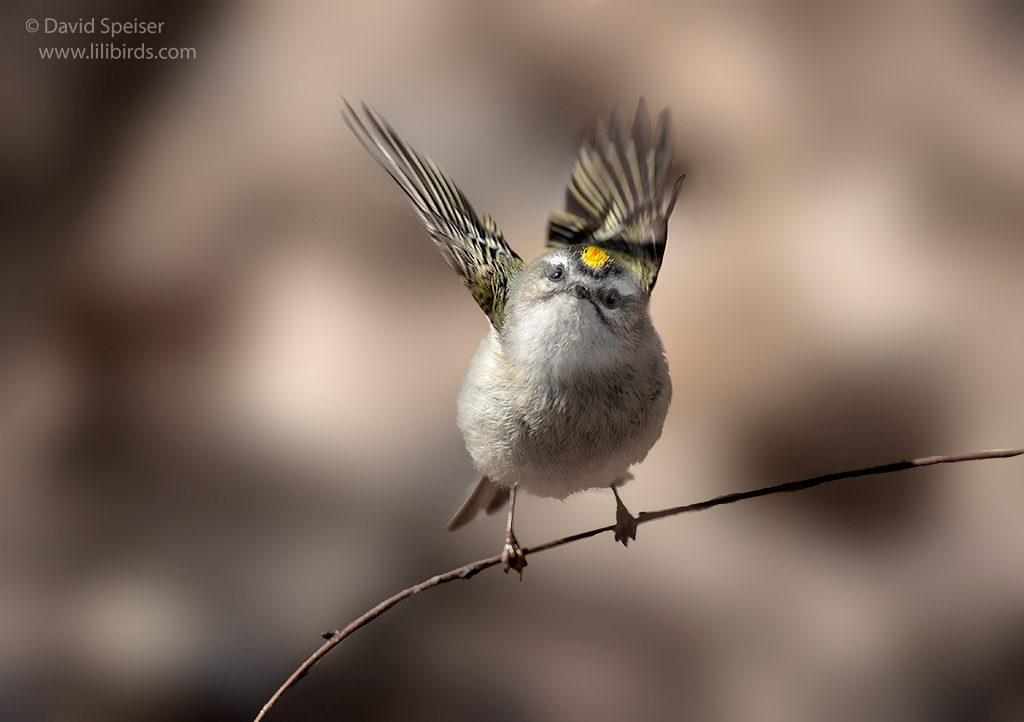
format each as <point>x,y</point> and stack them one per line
<point>572,416</point>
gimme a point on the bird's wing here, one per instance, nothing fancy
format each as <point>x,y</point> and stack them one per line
<point>474,249</point>
<point>619,198</point>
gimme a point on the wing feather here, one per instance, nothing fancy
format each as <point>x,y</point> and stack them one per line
<point>617,197</point>
<point>474,249</point>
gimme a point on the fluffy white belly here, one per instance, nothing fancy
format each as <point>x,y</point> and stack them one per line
<point>553,441</point>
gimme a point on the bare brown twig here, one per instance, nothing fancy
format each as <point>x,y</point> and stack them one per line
<point>334,637</point>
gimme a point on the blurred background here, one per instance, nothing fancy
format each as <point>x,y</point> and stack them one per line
<point>229,358</point>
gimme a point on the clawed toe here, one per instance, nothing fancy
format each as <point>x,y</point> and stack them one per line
<point>625,523</point>
<point>512,556</point>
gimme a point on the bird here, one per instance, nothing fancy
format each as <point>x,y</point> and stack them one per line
<point>570,386</point>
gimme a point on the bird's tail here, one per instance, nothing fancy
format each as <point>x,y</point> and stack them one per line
<point>487,496</point>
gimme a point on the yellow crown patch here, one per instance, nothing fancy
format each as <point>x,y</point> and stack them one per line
<point>594,257</point>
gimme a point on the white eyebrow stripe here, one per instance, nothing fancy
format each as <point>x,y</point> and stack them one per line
<point>621,281</point>
<point>621,284</point>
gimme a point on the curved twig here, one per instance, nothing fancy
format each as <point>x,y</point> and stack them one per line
<point>335,637</point>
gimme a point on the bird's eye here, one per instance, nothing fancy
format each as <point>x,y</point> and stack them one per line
<point>611,299</point>
<point>556,273</point>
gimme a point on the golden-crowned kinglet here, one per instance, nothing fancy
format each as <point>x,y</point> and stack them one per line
<point>570,386</point>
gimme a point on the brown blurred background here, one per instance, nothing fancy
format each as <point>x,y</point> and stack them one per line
<point>229,358</point>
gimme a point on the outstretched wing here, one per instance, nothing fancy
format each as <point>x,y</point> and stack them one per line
<point>475,250</point>
<point>618,198</point>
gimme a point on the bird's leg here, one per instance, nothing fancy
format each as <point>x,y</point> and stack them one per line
<point>511,555</point>
<point>625,523</point>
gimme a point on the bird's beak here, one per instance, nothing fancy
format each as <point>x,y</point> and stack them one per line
<point>580,291</point>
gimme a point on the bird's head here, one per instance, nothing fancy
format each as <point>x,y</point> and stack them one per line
<point>577,308</point>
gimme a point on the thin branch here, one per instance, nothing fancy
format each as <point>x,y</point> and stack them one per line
<point>335,637</point>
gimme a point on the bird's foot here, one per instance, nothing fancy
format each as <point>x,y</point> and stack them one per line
<point>625,523</point>
<point>512,556</point>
